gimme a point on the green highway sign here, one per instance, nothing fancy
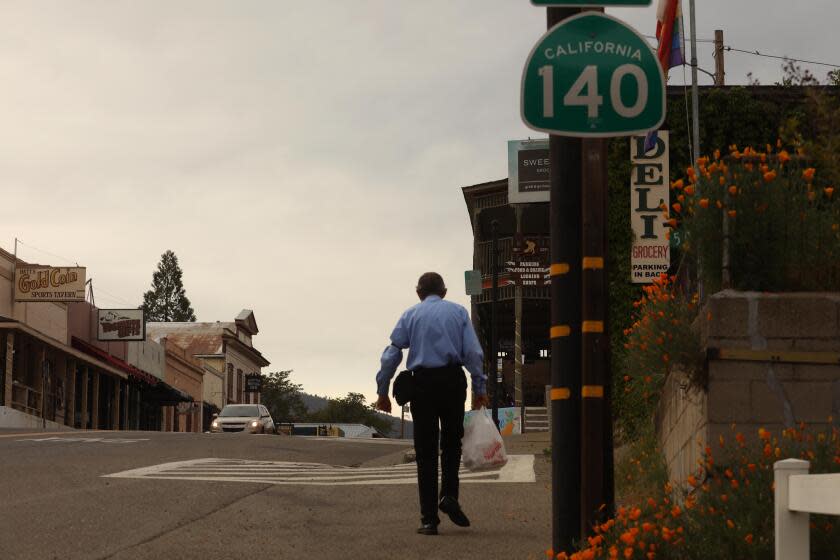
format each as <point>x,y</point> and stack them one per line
<point>591,3</point>
<point>592,76</point>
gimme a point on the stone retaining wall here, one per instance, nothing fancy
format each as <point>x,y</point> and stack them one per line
<point>773,362</point>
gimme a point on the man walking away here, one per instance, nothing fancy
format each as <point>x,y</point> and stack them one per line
<point>440,339</point>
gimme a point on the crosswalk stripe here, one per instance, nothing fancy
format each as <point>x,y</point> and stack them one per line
<point>520,468</point>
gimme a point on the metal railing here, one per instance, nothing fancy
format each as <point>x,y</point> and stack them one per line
<point>798,495</point>
<point>26,399</point>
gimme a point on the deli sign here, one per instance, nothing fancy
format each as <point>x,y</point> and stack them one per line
<point>120,324</point>
<point>47,283</point>
<point>650,201</point>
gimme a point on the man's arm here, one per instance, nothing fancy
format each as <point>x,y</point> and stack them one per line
<point>473,357</point>
<point>391,357</point>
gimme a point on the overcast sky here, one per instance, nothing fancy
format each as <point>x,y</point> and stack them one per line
<point>303,159</point>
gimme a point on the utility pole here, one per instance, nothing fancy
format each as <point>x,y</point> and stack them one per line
<point>595,420</point>
<point>565,224</point>
<point>494,299</point>
<point>720,80</point>
<point>720,73</point>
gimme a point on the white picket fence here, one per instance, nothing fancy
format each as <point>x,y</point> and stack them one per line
<point>798,495</point>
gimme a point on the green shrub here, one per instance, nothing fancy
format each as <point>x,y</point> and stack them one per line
<point>660,339</point>
<point>725,510</point>
<point>783,220</point>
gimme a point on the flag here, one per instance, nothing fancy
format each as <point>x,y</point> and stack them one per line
<point>671,45</point>
<point>669,33</point>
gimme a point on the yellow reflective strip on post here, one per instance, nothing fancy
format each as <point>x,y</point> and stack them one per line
<point>560,331</point>
<point>592,391</point>
<point>560,394</point>
<point>593,263</point>
<point>593,327</point>
<point>558,269</point>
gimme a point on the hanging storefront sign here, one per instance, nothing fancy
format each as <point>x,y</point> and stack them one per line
<point>529,171</point>
<point>253,383</point>
<point>120,324</point>
<point>650,255</point>
<point>47,283</point>
<point>529,266</point>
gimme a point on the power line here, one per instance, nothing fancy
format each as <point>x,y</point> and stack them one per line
<point>65,259</point>
<point>113,297</point>
<point>757,53</point>
<point>698,40</point>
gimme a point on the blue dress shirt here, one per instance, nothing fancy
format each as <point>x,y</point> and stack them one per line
<point>437,333</point>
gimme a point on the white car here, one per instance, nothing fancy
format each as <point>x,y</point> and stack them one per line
<point>251,418</point>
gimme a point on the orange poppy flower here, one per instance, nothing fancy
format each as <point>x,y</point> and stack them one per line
<point>769,176</point>
<point>829,191</point>
<point>704,202</point>
<point>808,174</point>
<point>689,190</point>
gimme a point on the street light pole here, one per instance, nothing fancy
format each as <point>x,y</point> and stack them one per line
<point>494,299</point>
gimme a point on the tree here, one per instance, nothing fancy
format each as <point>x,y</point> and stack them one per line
<point>282,397</point>
<point>352,409</point>
<point>167,300</point>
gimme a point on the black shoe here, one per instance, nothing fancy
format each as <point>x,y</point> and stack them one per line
<point>427,529</point>
<point>450,507</point>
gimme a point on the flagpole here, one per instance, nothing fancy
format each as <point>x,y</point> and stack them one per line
<point>695,124</point>
<point>695,94</point>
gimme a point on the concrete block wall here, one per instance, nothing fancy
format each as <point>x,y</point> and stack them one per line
<point>753,394</point>
<point>681,423</point>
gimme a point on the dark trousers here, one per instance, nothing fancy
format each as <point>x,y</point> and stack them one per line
<point>437,410</point>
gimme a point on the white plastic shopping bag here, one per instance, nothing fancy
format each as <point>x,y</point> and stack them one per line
<point>482,446</point>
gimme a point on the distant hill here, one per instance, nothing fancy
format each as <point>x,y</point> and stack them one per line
<point>314,403</point>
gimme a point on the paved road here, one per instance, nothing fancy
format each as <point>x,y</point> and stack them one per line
<point>155,495</point>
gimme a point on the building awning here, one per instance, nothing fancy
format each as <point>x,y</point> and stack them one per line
<point>131,370</point>
<point>82,356</point>
<point>165,394</point>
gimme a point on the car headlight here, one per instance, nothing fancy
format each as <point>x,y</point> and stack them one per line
<point>254,424</point>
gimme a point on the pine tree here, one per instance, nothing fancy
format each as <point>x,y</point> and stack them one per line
<point>167,300</point>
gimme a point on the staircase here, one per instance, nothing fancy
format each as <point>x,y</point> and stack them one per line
<point>536,419</point>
